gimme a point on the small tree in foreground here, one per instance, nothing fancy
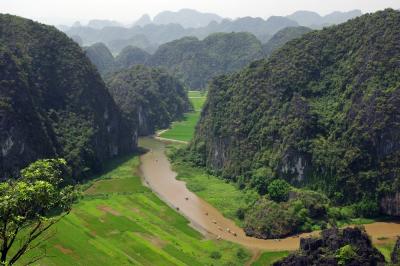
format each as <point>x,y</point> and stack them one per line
<point>28,206</point>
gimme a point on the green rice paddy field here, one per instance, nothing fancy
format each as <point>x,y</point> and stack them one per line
<point>121,222</point>
<point>184,130</point>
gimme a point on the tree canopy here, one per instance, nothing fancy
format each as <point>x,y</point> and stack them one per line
<point>28,205</point>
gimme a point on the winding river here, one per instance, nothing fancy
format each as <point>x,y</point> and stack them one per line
<point>157,174</point>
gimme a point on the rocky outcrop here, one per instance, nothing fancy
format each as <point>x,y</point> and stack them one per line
<point>395,256</point>
<point>390,204</point>
<point>350,246</point>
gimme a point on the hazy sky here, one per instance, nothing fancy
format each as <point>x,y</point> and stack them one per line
<point>67,11</point>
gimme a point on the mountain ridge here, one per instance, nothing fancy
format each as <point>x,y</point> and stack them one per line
<point>321,112</point>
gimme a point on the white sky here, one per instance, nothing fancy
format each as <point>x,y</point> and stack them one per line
<point>68,11</point>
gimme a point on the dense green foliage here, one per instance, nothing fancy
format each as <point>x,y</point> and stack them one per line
<point>26,203</point>
<point>282,37</point>
<point>322,112</point>
<point>305,211</point>
<point>196,62</point>
<point>53,102</point>
<point>278,190</point>
<point>149,97</point>
<point>121,222</point>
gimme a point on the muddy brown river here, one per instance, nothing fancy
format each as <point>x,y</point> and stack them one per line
<point>157,174</point>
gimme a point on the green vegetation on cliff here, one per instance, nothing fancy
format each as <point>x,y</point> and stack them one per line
<point>53,102</point>
<point>149,97</point>
<point>321,112</point>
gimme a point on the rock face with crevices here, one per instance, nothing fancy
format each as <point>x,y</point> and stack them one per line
<point>53,102</point>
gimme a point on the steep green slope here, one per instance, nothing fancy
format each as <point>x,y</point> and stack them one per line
<point>148,96</point>
<point>196,62</point>
<point>322,112</point>
<point>53,102</point>
<point>101,57</point>
<point>282,37</point>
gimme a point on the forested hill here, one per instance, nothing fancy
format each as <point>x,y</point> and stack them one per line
<point>196,62</point>
<point>191,60</point>
<point>149,97</point>
<point>53,102</point>
<point>101,57</point>
<point>323,111</point>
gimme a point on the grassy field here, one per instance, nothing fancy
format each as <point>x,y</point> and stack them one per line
<point>121,222</point>
<point>268,258</point>
<point>386,247</point>
<point>184,130</point>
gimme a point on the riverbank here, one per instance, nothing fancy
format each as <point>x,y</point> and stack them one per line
<point>157,172</point>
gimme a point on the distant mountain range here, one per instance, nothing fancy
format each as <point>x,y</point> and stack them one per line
<point>314,20</point>
<point>188,18</point>
<point>148,34</point>
<point>195,61</point>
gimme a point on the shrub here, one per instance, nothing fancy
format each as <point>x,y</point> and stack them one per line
<point>215,255</point>
<point>240,213</point>
<point>345,254</point>
<point>347,212</point>
<point>241,254</point>
<point>278,190</point>
<point>366,208</point>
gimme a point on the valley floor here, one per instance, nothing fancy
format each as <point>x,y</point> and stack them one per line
<point>121,222</point>
<point>183,131</point>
